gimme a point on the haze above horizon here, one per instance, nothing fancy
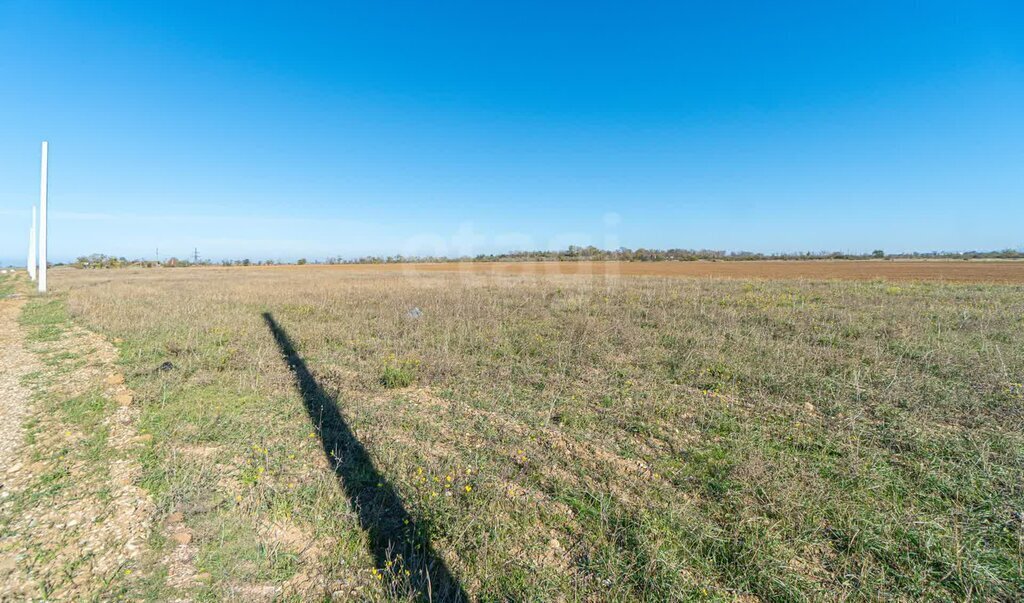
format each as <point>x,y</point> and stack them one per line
<point>314,130</point>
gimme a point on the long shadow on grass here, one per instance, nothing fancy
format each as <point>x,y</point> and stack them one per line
<point>401,550</point>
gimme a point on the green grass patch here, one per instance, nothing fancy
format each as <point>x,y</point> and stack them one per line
<point>46,317</point>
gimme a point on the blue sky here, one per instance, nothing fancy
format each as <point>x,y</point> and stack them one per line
<point>292,129</point>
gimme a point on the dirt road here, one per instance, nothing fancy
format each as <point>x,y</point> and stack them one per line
<point>15,362</point>
<point>74,519</point>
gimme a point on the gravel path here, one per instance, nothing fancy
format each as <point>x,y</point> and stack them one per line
<point>15,363</point>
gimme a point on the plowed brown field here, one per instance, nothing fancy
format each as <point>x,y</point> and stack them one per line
<point>977,271</point>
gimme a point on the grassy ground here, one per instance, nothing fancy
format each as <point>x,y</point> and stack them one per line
<point>538,438</point>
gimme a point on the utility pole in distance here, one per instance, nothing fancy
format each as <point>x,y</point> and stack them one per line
<point>42,221</point>
<point>195,256</point>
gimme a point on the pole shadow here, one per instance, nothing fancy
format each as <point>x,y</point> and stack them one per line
<point>401,550</point>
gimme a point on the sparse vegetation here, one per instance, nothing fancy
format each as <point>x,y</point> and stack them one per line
<point>398,374</point>
<point>586,437</point>
<point>6,284</point>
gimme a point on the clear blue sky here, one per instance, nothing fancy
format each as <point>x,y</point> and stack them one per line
<point>286,130</point>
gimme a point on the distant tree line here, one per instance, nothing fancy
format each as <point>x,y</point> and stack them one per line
<point>573,253</point>
<point>99,260</point>
<point>624,254</point>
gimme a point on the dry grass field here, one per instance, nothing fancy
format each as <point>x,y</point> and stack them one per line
<point>954,271</point>
<point>552,437</point>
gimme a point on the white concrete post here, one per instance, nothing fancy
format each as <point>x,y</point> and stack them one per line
<point>32,247</point>
<point>42,222</point>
